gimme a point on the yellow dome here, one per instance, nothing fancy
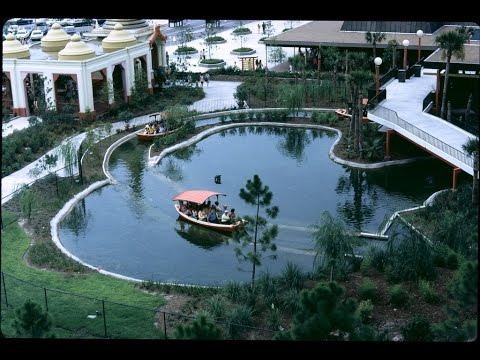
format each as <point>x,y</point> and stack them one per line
<point>13,49</point>
<point>118,39</point>
<point>76,49</point>
<point>56,39</point>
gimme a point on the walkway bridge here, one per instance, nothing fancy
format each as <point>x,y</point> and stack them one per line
<point>403,111</point>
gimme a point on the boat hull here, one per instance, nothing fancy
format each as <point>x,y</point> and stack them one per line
<point>343,114</point>
<point>220,227</point>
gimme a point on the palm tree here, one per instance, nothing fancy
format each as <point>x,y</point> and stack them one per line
<point>374,38</point>
<point>471,148</point>
<point>452,44</point>
<point>332,242</point>
<point>358,79</point>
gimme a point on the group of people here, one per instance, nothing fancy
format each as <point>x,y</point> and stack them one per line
<point>209,212</point>
<point>154,128</point>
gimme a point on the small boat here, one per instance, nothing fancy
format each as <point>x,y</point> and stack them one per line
<point>144,135</point>
<point>198,198</point>
<point>147,135</point>
<point>343,113</point>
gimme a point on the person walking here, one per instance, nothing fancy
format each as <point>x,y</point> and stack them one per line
<point>207,78</point>
<point>202,79</point>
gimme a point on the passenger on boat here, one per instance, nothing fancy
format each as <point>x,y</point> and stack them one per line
<point>232,216</point>
<point>194,214</point>
<point>225,217</point>
<point>183,207</point>
<point>202,215</point>
<point>188,212</point>
<point>212,216</point>
<point>217,207</point>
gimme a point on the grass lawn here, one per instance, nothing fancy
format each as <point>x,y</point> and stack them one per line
<point>71,297</point>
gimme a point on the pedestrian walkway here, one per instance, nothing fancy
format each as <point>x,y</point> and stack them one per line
<point>222,51</point>
<point>218,94</point>
<point>402,111</point>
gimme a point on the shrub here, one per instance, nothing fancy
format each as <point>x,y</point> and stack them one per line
<point>368,290</point>
<point>292,277</point>
<point>217,306</point>
<point>428,293</point>
<point>291,300</point>
<point>397,295</point>
<point>268,288</point>
<point>364,311</point>
<point>417,329</point>
<point>241,315</point>
<point>233,291</point>
<point>452,261</point>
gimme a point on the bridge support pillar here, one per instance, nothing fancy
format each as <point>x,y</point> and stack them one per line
<point>456,171</point>
<point>387,146</point>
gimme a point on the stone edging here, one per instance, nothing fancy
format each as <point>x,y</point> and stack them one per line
<point>72,202</point>
<point>152,161</point>
<point>240,33</point>
<point>190,52</point>
<point>220,64</point>
<point>241,53</point>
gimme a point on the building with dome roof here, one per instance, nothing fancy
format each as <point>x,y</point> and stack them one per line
<point>90,73</point>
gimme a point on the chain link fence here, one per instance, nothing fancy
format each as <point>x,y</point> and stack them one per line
<point>88,317</point>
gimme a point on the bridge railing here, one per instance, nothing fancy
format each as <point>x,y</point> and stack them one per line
<point>393,117</point>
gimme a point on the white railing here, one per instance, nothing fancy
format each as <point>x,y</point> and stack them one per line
<point>393,117</point>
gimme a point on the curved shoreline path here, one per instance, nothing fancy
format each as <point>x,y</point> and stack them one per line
<point>218,95</point>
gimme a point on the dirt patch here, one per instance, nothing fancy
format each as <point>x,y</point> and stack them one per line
<point>166,318</point>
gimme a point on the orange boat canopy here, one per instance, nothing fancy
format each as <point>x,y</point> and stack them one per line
<point>196,196</point>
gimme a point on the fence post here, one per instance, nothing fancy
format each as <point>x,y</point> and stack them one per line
<point>56,181</point>
<point>164,326</point>
<point>46,302</point>
<point>104,319</point>
<point>79,163</point>
<point>4,288</point>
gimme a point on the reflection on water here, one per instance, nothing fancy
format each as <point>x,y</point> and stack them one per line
<point>132,228</point>
<point>200,236</point>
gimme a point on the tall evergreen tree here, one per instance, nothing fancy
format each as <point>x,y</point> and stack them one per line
<point>259,195</point>
<point>31,321</point>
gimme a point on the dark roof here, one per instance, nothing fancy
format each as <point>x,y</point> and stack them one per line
<point>406,27</point>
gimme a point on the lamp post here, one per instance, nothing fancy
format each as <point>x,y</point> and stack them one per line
<point>378,62</point>
<point>419,34</point>
<point>405,45</point>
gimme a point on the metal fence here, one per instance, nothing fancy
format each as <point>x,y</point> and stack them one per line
<point>59,180</point>
<point>393,117</point>
<point>89,317</point>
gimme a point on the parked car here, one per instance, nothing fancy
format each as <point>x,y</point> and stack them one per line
<point>22,34</point>
<point>36,35</point>
<point>69,29</point>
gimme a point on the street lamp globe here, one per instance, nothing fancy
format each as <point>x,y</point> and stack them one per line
<point>405,42</point>
<point>378,61</point>
<point>419,33</point>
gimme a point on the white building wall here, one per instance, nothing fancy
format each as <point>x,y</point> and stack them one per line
<point>83,70</point>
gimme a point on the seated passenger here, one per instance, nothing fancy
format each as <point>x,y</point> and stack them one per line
<point>212,216</point>
<point>232,216</point>
<point>225,217</point>
<point>202,215</point>
<point>194,214</point>
<point>183,207</point>
<point>188,212</point>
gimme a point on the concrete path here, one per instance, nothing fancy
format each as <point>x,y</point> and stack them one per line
<point>403,111</point>
<point>218,94</point>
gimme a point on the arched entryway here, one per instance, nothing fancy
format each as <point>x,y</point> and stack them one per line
<point>119,95</point>
<point>66,93</point>
<point>7,101</point>
<point>100,91</point>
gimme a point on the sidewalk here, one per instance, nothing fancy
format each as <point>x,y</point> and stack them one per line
<point>217,95</point>
<point>222,51</point>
